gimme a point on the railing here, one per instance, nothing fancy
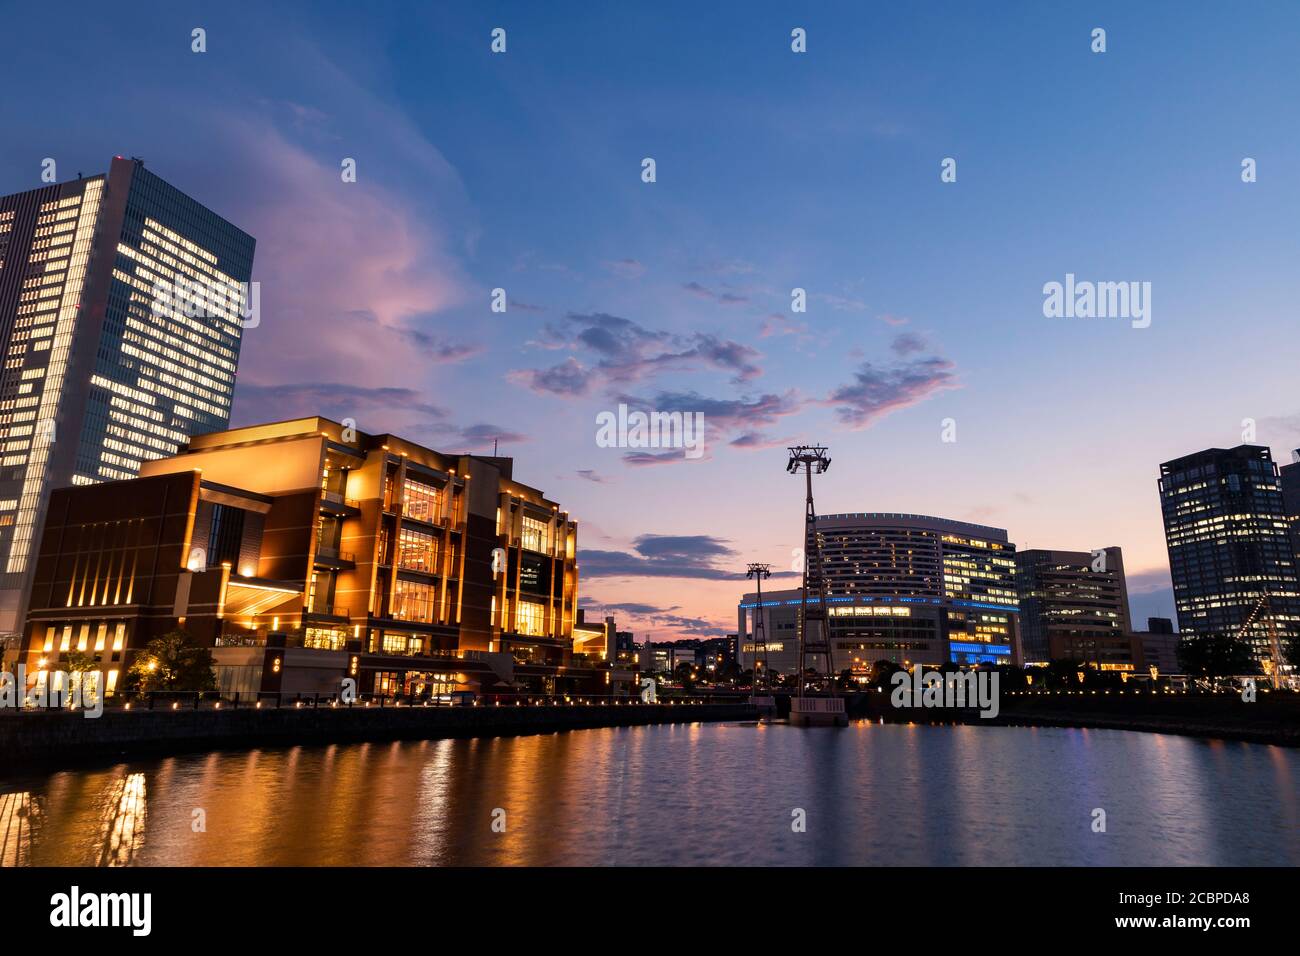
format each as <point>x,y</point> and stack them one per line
<point>333,497</point>
<point>324,551</point>
<point>327,611</point>
<point>418,566</point>
<point>177,701</point>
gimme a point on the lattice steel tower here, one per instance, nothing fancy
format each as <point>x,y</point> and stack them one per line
<point>759,572</point>
<point>811,459</point>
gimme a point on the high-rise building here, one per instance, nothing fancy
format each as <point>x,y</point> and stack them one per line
<point>1290,475</point>
<point>122,304</point>
<point>1230,551</point>
<point>1073,606</point>
<point>303,552</point>
<point>903,588</point>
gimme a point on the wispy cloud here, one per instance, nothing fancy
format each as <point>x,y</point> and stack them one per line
<point>876,391</point>
<point>668,556</point>
<point>625,268</point>
<point>723,297</point>
<point>331,399</point>
<point>907,343</point>
<point>478,437</point>
<point>620,350</point>
<point>740,422</point>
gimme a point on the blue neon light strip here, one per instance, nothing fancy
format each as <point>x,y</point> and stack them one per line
<point>963,648</point>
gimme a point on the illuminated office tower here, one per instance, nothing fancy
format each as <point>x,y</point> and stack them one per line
<point>1074,606</point>
<point>1229,547</point>
<point>100,372</point>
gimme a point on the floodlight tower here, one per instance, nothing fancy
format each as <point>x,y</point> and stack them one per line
<point>759,572</point>
<point>811,459</point>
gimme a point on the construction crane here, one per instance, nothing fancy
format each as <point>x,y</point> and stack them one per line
<point>1275,645</point>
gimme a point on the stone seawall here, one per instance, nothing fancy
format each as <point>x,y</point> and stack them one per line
<point>44,738</point>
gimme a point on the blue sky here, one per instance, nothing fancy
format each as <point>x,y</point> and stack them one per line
<point>775,170</point>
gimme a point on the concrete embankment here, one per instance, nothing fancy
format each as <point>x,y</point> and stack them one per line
<point>45,738</point>
<point>1273,718</point>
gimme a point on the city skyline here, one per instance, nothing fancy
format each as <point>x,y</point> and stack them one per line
<point>925,298</point>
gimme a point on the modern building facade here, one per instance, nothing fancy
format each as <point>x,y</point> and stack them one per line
<point>122,306</point>
<point>904,588</point>
<point>596,640</point>
<point>1230,551</point>
<point>1073,606</point>
<point>780,615</point>
<point>305,552</point>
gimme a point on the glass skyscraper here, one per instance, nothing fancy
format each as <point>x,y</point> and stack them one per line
<point>1229,547</point>
<point>122,305</point>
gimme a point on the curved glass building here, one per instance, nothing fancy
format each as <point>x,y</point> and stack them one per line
<point>905,588</point>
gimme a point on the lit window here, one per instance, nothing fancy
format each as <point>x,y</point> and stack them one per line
<point>529,618</point>
<point>536,535</point>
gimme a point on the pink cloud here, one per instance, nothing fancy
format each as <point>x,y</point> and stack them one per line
<point>349,274</point>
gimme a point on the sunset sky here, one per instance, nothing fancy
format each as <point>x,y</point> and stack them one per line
<point>775,170</point>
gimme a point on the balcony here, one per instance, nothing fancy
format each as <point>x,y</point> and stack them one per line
<point>327,557</point>
<point>334,503</point>
<point>328,612</point>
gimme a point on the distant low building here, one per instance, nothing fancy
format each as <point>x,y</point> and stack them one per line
<point>1110,652</point>
<point>1160,649</point>
<point>665,657</point>
<point>626,649</point>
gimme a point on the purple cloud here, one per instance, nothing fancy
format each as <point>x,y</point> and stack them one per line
<point>624,351</point>
<point>907,343</point>
<point>699,556</point>
<point>877,391</point>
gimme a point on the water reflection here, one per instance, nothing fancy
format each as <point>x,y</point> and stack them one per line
<point>702,794</point>
<point>19,814</point>
<point>122,832</point>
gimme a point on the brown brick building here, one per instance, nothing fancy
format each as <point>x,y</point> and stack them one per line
<point>306,551</point>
